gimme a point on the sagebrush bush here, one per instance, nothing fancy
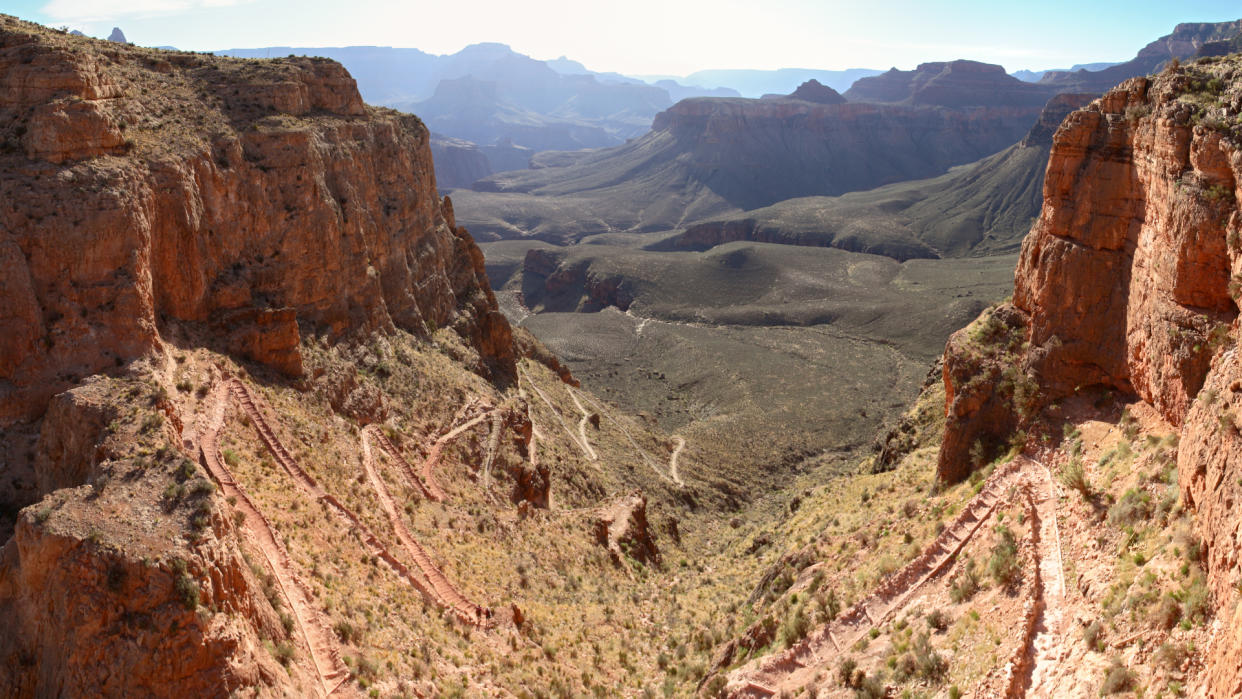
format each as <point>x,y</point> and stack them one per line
<point>1091,635</point>
<point>1003,566</point>
<point>1133,507</point>
<point>1118,678</point>
<point>965,583</point>
<point>1074,477</point>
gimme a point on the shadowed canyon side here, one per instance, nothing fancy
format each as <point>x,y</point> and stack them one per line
<point>984,207</point>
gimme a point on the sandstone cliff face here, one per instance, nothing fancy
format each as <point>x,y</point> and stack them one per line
<point>259,200</point>
<point>154,203</point>
<point>134,633</point>
<point>1128,281</point>
<point>458,163</point>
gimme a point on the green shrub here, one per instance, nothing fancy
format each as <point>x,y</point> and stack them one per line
<point>1137,111</point>
<point>1074,477</point>
<point>1195,601</point>
<point>1133,507</point>
<point>870,688</point>
<point>201,487</point>
<point>845,672</point>
<point>1091,635</point>
<point>185,587</point>
<point>796,627</point>
<point>284,652</point>
<point>965,583</point>
<point>1118,678</point>
<point>1173,655</point>
<point>1003,566</point>
<point>1168,613</point>
<point>931,665</point>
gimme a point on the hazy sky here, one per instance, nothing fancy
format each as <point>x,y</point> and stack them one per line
<point>662,36</point>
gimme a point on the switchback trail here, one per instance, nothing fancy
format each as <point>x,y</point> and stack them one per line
<point>801,663</point>
<point>672,460</point>
<point>445,592</point>
<point>642,453</point>
<point>586,416</point>
<point>331,673</point>
<point>1051,645</point>
<point>433,457</point>
<point>493,445</point>
<point>427,585</point>
<point>395,454</point>
<point>586,448</point>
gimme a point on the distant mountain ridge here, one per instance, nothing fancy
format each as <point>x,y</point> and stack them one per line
<point>709,157</point>
<point>488,93</point>
<point>1184,42</point>
<point>1032,76</point>
<point>951,84</point>
<point>982,208</point>
<point>756,83</point>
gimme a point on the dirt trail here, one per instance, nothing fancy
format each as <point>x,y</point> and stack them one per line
<point>586,416</point>
<point>640,451</point>
<point>445,592</point>
<point>493,446</point>
<point>587,451</point>
<point>331,672</point>
<point>672,460</point>
<point>433,457</point>
<point>395,454</point>
<point>1051,646</point>
<point>798,665</point>
<point>433,577</point>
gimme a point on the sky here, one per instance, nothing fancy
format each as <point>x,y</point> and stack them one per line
<point>661,37</point>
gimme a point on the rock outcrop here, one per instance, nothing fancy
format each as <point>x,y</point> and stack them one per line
<point>622,528</point>
<point>552,283</point>
<point>156,203</point>
<point>259,201</point>
<point>458,163</point>
<point>814,91</point>
<point>1129,282</point>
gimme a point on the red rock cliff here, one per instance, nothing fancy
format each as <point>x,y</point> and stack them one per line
<point>257,200</point>
<point>1128,281</point>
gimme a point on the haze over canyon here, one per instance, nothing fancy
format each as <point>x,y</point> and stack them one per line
<point>371,371</point>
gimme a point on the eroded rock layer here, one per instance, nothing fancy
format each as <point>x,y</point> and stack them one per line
<point>157,204</point>
<point>261,199</point>
<point>1128,281</point>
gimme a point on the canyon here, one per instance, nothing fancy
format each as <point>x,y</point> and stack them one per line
<point>737,408</point>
